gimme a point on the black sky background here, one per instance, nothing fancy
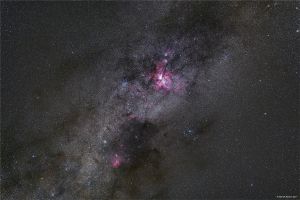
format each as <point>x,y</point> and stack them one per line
<point>61,62</point>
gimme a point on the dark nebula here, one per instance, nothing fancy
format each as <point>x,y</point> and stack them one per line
<point>132,143</point>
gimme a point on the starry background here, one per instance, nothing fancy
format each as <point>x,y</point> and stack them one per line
<point>81,120</point>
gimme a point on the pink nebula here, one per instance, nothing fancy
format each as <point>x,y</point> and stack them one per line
<point>162,77</point>
<point>116,161</point>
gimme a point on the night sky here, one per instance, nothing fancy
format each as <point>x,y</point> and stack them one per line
<point>150,100</point>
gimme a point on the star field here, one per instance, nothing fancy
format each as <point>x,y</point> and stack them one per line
<point>149,100</point>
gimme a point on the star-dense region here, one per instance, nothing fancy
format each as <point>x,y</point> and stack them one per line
<point>150,100</point>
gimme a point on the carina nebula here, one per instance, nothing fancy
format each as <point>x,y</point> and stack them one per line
<point>149,100</point>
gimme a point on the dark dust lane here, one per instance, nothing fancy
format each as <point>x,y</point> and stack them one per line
<point>149,100</point>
